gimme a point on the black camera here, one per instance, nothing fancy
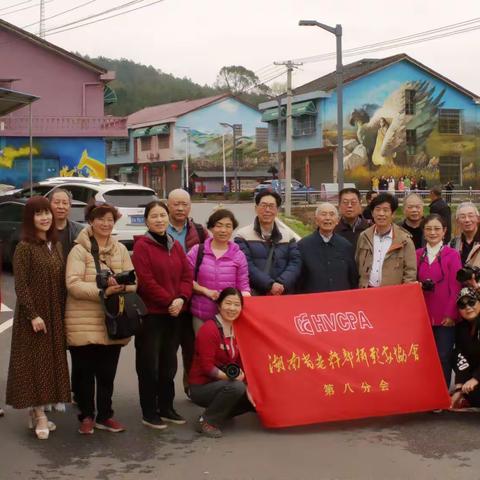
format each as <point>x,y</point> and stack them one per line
<point>428,285</point>
<point>466,273</point>
<point>123,278</point>
<point>232,370</point>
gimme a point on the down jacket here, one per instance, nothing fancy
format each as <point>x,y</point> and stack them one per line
<point>400,264</point>
<point>286,262</point>
<point>163,273</point>
<point>84,316</point>
<point>229,270</point>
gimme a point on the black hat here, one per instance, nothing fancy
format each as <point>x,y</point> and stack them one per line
<point>468,293</point>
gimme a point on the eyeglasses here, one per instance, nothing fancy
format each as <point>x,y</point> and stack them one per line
<point>350,203</point>
<point>433,229</point>
<point>462,304</point>
<point>267,206</point>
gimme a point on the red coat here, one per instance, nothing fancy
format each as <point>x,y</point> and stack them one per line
<point>163,274</point>
<point>210,354</point>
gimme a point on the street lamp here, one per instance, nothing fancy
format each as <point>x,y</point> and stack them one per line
<point>337,31</point>
<point>187,153</point>
<point>234,156</point>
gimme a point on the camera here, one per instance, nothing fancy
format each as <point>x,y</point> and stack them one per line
<point>428,285</point>
<point>123,278</point>
<point>232,370</point>
<point>466,273</point>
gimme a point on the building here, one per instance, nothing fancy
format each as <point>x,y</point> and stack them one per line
<point>400,118</point>
<point>169,142</point>
<point>68,123</point>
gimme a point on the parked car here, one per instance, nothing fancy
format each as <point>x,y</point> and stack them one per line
<point>129,198</point>
<point>11,217</point>
<point>300,192</point>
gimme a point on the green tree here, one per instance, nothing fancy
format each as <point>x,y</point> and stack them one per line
<point>236,79</point>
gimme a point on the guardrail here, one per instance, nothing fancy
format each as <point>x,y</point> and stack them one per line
<point>317,196</point>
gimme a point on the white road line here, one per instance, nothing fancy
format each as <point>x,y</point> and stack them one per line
<point>6,325</point>
<point>4,308</point>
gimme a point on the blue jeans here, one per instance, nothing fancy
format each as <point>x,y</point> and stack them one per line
<point>445,341</point>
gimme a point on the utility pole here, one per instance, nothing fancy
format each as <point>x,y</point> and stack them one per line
<point>42,19</point>
<point>288,140</point>
<point>337,31</point>
<point>279,135</point>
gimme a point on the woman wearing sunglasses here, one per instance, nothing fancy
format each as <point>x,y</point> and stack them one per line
<point>467,351</point>
<point>437,267</point>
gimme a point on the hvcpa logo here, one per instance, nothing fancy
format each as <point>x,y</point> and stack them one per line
<point>310,324</point>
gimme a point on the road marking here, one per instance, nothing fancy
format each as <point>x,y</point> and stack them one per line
<point>4,308</point>
<point>6,325</point>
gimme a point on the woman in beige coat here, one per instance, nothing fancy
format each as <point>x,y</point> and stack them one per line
<point>94,355</point>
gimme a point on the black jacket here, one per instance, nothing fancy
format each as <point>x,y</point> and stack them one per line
<point>467,352</point>
<point>352,233</point>
<point>326,267</point>
<point>440,207</point>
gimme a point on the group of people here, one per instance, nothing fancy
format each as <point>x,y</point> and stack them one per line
<point>193,281</point>
<point>402,184</point>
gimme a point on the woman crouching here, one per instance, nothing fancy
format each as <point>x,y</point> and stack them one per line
<point>467,351</point>
<point>217,379</point>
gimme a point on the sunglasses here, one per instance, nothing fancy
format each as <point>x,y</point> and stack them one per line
<point>461,304</point>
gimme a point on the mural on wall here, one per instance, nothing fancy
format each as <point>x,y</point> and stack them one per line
<point>207,137</point>
<point>391,128</point>
<point>52,157</point>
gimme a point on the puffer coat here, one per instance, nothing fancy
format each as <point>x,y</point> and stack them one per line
<point>84,316</point>
<point>229,270</point>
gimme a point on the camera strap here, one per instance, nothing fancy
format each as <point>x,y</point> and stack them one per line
<point>95,251</point>
<point>230,352</point>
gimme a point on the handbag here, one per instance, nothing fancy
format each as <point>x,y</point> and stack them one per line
<point>124,312</point>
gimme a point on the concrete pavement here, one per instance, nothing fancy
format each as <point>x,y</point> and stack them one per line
<point>419,446</point>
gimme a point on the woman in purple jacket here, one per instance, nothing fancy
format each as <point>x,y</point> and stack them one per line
<point>437,267</point>
<point>217,264</point>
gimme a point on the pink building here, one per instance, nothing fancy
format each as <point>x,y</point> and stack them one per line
<point>69,125</point>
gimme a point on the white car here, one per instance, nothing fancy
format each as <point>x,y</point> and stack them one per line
<point>129,198</point>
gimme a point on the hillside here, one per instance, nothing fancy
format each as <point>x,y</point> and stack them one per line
<point>138,86</point>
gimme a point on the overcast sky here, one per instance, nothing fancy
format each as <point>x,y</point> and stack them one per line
<point>195,38</point>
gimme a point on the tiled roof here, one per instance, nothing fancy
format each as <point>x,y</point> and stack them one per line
<point>363,67</point>
<point>169,112</point>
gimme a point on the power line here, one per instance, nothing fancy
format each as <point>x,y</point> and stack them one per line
<point>15,5</point>
<point>106,18</point>
<point>60,13</point>
<point>95,15</point>
<point>399,41</point>
<point>25,8</point>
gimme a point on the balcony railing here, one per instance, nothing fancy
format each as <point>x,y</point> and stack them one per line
<point>43,126</point>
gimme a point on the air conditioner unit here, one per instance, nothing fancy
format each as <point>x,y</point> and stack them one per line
<point>150,156</point>
<point>156,156</point>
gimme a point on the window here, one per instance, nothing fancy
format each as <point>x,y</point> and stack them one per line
<point>273,128</point>
<point>449,120</point>
<point>117,146</point>
<point>83,194</point>
<point>11,212</point>
<point>304,125</point>
<point>129,198</point>
<point>450,169</point>
<point>409,102</point>
<point>145,143</point>
<point>163,141</point>
<point>411,142</point>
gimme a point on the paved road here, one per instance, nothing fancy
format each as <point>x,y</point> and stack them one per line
<point>420,446</point>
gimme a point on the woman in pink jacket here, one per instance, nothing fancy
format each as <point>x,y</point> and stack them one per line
<point>217,264</point>
<point>437,267</point>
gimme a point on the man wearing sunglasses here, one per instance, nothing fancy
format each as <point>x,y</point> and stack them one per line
<point>467,351</point>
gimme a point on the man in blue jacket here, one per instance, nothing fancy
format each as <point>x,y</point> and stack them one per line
<point>271,249</point>
<point>328,262</point>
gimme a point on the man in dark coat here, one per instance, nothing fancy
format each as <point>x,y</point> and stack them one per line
<point>439,205</point>
<point>351,223</point>
<point>270,248</point>
<point>328,262</point>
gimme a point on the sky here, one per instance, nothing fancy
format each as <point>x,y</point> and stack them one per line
<point>196,38</point>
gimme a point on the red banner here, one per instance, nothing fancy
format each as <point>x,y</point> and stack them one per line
<point>340,355</point>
